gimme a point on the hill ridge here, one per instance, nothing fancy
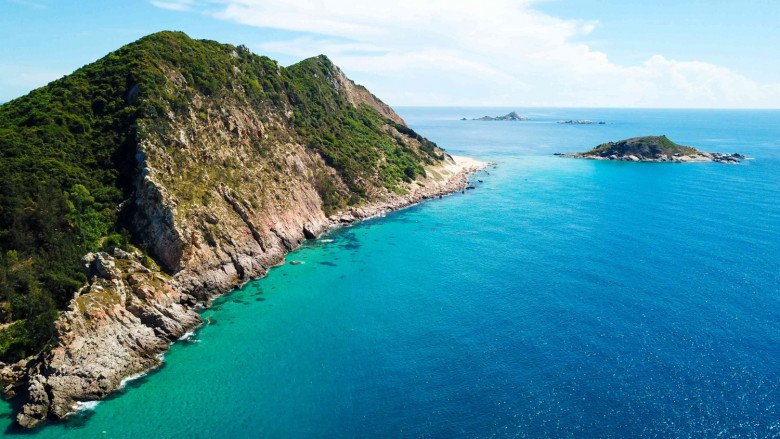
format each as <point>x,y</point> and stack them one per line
<point>163,174</point>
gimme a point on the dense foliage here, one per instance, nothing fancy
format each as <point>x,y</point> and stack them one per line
<point>67,157</point>
<point>355,141</point>
<point>65,160</point>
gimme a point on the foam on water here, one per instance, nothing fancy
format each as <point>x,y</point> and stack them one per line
<point>130,378</point>
<point>82,406</point>
<point>187,335</point>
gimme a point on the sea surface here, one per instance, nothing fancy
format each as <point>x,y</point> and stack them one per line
<point>560,298</point>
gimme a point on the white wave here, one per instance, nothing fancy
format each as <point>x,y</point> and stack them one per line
<point>187,335</point>
<point>326,240</point>
<point>130,378</point>
<point>82,406</point>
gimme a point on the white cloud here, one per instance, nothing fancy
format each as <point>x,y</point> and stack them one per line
<point>491,52</point>
<point>173,5</point>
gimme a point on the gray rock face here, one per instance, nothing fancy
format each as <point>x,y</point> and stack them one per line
<point>115,327</point>
<point>154,214</point>
<point>727,158</point>
<point>36,409</point>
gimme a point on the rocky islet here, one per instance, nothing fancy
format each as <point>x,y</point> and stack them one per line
<point>653,149</point>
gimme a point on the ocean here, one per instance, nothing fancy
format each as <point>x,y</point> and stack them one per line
<point>560,298</point>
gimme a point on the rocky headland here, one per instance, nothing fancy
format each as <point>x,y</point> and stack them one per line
<point>187,168</point>
<point>653,149</point>
<point>126,317</point>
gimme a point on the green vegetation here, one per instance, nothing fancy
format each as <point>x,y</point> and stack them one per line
<point>648,146</point>
<point>65,162</point>
<point>68,157</point>
<point>355,141</point>
<point>29,307</point>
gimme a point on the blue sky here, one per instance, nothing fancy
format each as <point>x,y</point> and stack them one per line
<point>661,53</point>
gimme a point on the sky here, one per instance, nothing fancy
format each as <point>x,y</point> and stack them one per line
<point>531,53</point>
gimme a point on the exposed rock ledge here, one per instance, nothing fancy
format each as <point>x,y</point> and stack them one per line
<point>128,315</point>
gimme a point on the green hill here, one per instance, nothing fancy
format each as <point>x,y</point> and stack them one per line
<point>71,160</point>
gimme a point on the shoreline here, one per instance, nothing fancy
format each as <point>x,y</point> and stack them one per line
<point>460,168</point>
<point>463,167</point>
<point>103,345</point>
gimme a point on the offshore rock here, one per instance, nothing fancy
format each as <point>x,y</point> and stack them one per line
<point>652,149</point>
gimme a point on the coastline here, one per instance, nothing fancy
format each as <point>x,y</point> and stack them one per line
<point>102,345</point>
<point>455,178</point>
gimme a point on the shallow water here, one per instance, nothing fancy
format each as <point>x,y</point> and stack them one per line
<point>561,298</point>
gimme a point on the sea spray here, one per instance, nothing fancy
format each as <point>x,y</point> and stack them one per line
<point>187,335</point>
<point>130,378</point>
<point>83,406</point>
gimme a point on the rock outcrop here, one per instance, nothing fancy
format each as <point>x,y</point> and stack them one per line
<point>512,115</point>
<point>116,326</point>
<point>227,178</point>
<point>653,149</point>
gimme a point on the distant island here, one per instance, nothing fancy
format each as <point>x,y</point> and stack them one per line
<point>509,116</point>
<point>581,122</point>
<point>653,149</point>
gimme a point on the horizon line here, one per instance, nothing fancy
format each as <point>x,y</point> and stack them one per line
<point>589,107</point>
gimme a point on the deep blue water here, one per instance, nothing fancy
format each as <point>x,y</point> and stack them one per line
<point>561,298</point>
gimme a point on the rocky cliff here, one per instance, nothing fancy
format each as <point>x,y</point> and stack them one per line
<point>213,163</point>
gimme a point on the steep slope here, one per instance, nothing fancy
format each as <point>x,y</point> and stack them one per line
<point>194,166</point>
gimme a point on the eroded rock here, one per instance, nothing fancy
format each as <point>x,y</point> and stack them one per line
<point>115,327</point>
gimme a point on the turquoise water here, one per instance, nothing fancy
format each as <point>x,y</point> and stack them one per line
<point>561,298</point>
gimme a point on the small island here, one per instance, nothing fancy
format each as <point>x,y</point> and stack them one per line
<point>653,149</point>
<point>580,122</point>
<point>509,116</point>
